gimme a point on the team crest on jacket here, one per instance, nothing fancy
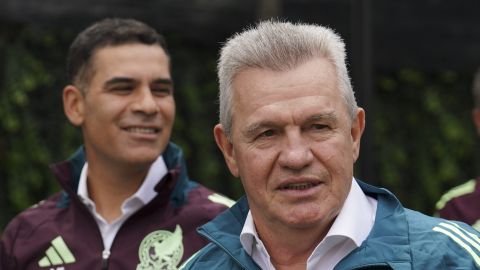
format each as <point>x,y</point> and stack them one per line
<point>161,250</point>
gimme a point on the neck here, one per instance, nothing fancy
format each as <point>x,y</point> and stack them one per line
<point>290,248</point>
<point>110,186</point>
<point>289,266</point>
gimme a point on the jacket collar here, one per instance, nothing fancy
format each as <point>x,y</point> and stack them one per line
<point>388,242</point>
<point>386,245</point>
<point>225,229</point>
<point>176,185</point>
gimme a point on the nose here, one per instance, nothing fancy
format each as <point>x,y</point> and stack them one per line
<point>296,153</point>
<point>145,102</point>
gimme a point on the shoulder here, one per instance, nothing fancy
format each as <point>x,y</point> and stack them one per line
<point>422,224</point>
<point>26,223</point>
<point>202,205</point>
<point>458,192</point>
<point>209,257</point>
<point>458,203</point>
<point>201,195</point>
<point>448,242</point>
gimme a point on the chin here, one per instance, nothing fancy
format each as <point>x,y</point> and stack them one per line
<point>305,219</point>
<point>141,158</point>
<point>303,223</point>
<point>143,152</point>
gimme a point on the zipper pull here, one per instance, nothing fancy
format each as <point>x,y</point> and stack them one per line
<point>105,257</point>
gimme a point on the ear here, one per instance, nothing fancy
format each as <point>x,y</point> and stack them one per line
<point>476,119</point>
<point>226,147</point>
<point>358,126</point>
<point>74,104</point>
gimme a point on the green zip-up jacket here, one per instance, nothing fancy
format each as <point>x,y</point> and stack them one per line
<point>400,239</point>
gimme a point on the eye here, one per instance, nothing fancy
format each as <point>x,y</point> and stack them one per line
<point>317,126</point>
<point>122,89</point>
<point>266,134</point>
<point>161,90</point>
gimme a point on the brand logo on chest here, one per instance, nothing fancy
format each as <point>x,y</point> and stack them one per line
<point>57,255</point>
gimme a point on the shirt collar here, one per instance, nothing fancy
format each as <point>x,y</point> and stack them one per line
<point>155,174</point>
<point>145,193</point>
<point>356,217</point>
<point>249,235</point>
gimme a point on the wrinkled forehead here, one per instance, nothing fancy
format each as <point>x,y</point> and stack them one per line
<point>253,86</point>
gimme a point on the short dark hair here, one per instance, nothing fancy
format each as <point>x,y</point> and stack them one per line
<point>107,32</point>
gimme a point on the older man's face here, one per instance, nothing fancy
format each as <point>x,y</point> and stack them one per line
<point>293,144</point>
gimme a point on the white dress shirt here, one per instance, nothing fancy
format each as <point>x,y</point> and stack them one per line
<point>144,195</point>
<point>348,231</point>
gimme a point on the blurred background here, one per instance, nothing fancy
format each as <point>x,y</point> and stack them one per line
<point>411,63</point>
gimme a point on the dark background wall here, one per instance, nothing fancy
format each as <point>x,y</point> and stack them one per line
<point>411,63</point>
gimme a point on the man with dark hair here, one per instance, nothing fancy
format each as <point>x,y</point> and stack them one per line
<point>463,202</point>
<point>127,201</point>
<point>290,129</point>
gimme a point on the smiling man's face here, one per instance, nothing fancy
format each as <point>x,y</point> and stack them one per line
<point>127,110</point>
<point>293,144</point>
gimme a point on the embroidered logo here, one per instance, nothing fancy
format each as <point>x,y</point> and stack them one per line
<point>161,250</point>
<point>57,254</point>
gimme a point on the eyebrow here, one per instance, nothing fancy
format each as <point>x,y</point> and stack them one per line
<point>117,80</point>
<point>252,130</point>
<point>329,116</point>
<point>163,81</point>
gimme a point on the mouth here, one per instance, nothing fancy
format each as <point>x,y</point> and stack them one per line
<point>142,130</point>
<point>298,186</point>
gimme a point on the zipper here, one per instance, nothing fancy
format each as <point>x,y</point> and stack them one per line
<point>105,257</point>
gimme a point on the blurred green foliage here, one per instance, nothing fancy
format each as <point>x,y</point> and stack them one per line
<point>33,131</point>
<point>423,135</point>
<point>423,139</point>
<point>194,73</point>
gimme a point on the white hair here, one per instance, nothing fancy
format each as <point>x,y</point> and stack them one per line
<point>279,46</point>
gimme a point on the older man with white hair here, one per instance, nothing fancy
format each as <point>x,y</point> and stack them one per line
<point>290,129</point>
